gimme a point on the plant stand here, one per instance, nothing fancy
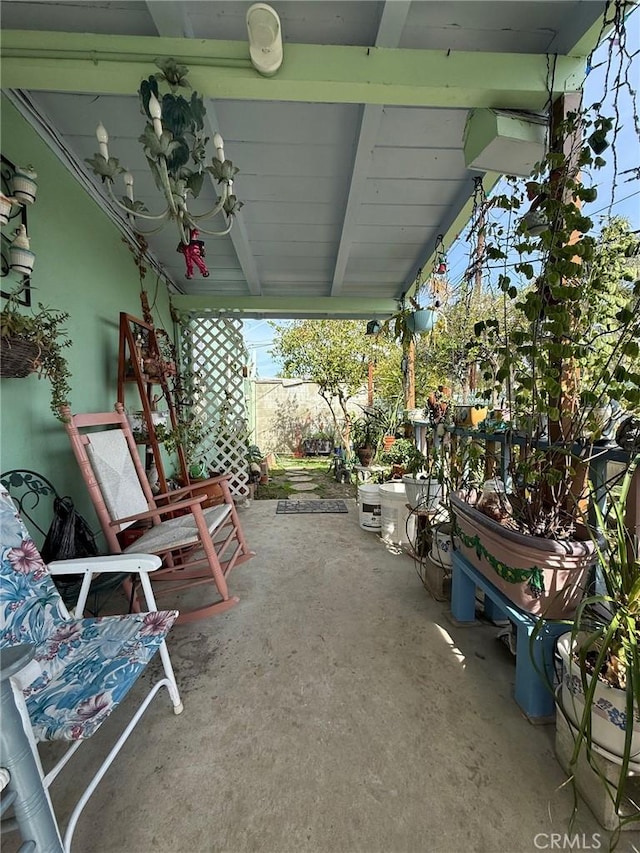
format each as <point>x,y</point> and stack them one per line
<point>364,473</point>
<point>132,369</point>
<point>591,787</point>
<point>531,692</point>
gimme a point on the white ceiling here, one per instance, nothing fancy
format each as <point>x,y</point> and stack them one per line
<point>341,199</point>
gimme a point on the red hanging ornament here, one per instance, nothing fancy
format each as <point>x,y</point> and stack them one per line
<point>193,252</point>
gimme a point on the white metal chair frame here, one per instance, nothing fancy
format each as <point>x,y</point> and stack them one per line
<point>142,565</point>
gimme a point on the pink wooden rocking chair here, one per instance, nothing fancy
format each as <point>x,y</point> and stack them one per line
<point>198,546</point>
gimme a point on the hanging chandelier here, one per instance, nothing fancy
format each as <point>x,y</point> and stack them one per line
<point>174,143</point>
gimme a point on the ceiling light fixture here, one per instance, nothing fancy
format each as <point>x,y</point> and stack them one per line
<point>174,143</point>
<point>265,38</point>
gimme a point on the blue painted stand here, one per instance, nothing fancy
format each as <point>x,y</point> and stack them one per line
<point>531,692</point>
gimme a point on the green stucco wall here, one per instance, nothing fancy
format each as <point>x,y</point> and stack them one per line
<point>83,267</point>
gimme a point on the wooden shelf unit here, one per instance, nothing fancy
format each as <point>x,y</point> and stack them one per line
<point>139,345</point>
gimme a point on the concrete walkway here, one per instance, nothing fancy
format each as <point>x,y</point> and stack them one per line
<point>335,710</point>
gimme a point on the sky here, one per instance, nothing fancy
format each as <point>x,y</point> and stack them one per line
<point>258,334</point>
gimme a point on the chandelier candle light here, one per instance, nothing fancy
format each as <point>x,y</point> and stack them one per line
<point>173,136</point>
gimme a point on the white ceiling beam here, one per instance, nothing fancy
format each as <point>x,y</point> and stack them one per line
<point>392,22</point>
<point>171,20</point>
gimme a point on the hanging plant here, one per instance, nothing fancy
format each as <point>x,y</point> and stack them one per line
<point>35,343</point>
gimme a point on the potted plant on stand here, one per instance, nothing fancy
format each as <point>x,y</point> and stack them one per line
<point>398,456</point>
<point>599,697</point>
<point>423,481</point>
<point>363,438</point>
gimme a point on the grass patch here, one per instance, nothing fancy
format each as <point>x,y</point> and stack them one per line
<point>279,487</point>
<point>311,464</point>
<point>276,489</point>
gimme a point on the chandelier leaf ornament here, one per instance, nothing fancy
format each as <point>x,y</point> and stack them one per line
<point>175,147</point>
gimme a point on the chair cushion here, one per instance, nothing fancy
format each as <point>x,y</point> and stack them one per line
<point>178,532</point>
<point>87,668</point>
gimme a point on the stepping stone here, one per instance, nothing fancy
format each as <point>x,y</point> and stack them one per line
<point>303,487</point>
<point>300,478</point>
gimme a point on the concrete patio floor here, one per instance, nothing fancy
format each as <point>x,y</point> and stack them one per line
<point>335,709</point>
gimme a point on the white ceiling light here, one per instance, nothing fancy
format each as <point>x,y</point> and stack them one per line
<point>265,38</point>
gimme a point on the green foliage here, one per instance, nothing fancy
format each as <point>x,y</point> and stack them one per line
<point>606,629</point>
<point>566,342</point>
<point>400,452</point>
<point>44,329</point>
<point>363,433</point>
<point>331,353</point>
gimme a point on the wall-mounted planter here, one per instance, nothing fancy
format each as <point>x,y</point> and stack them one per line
<point>18,357</point>
<point>24,185</point>
<point>6,204</point>
<point>21,260</point>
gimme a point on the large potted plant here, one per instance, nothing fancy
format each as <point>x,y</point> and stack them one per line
<point>571,346</point>
<point>423,481</point>
<point>35,343</point>
<point>600,691</point>
<point>364,439</point>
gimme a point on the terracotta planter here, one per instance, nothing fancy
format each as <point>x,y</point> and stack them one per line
<point>388,441</point>
<point>213,491</point>
<point>541,576</point>
<point>608,710</point>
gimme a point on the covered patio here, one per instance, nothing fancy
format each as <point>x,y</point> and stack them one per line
<point>338,708</point>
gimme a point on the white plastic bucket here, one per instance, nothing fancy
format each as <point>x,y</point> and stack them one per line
<point>369,506</point>
<point>394,513</point>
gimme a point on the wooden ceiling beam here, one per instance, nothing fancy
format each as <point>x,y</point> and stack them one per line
<point>115,64</point>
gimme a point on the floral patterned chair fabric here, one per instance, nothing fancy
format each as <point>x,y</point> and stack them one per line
<point>82,668</point>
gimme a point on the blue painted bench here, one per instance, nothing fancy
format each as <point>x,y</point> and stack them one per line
<point>532,691</point>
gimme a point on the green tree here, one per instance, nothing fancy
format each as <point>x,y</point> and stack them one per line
<point>332,353</point>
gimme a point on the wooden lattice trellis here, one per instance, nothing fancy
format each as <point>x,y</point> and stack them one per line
<point>214,350</point>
